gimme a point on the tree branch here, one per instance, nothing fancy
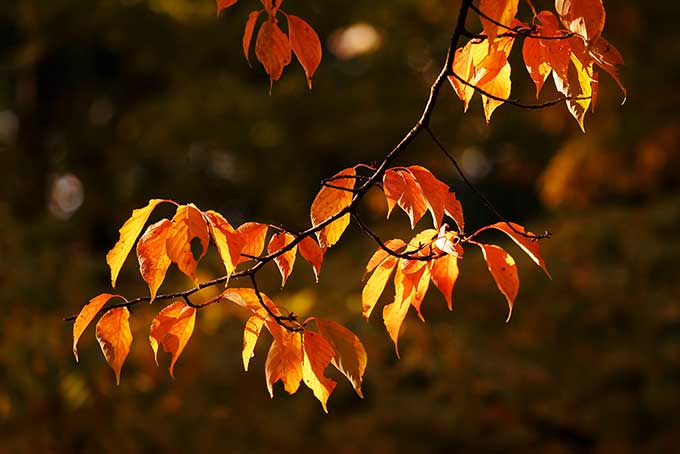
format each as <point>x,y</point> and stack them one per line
<point>410,255</point>
<point>521,31</point>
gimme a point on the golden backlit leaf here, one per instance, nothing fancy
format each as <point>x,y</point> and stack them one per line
<point>284,362</point>
<point>253,235</point>
<point>420,281</point>
<point>87,314</point>
<point>286,260</point>
<point>375,285</point>
<point>317,356</point>
<point>577,88</point>
<point>444,274</point>
<point>528,245</point>
<point>583,17</point>
<point>251,333</point>
<point>305,43</point>
<point>329,202</point>
<point>501,11</point>
<point>313,254</point>
<point>401,187</point>
<point>349,355</point>
<point>228,241</point>
<point>435,192</point>
<point>152,255</point>
<point>272,49</point>
<point>466,60</point>
<point>172,328</point>
<point>504,271</point>
<point>535,53</point>
<point>248,33</point>
<point>380,254</point>
<point>454,210</point>
<point>114,336</point>
<point>128,235</point>
<point>187,224</point>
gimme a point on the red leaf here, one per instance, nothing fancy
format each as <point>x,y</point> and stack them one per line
<point>504,271</point>
<point>306,45</point>
<point>272,49</point>
<point>583,17</point>
<point>286,260</point>
<point>454,210</point>
<point>444,276</point>
<point>248,33</point>
<point>223,4</point>
<point>313,254</point>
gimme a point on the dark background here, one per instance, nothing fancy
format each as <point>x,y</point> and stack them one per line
<point>105,104</point>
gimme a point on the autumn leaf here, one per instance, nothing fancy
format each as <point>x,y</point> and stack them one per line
<point>421,283</point>
<point>223,4</point>
<point>284,362</point>
<point>608,58</point>
<point>251,333</point>
<point>228,241</point>
<point>152,255</point>
<point>435,192</point>
<point>395,312</point>
<point>583,17</point>
<point>187,224</point>
<point>401,188</point>
<point>313,254</point>
<point>504,271</point>
<point>380,254</point>
<point>444,273</point>
<point>248,33</point>
<point>349,355</point>
<point>317,356</point>
<point>577,88</point>
<point>305,43</point>
<point>114,336</point>
<point>375,285</point>
<point>528,245</point>
<point>329,202</point>
<point>87,314</point>
<point>454,210</point>
<point>253,235</point>
<point>272,49</point>
<point>271,6</point>
<point>501,11</point>
<point>128,235</point>
<point>172,328</point>
<point>286,260</point>
<point>536,56</point>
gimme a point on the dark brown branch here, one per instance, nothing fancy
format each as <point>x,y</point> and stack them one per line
<point>409,255</point>
<point>490,206</point>
<point>339,188</point>
<point>518,30</point>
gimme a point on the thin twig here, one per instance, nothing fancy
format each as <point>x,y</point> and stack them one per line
<point>519,30</point>
<point>409,255</point>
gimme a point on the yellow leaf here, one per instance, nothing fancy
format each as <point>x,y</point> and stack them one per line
<point>172,328</point>
<point>114,336</point>
<point>152,256</point>
<point>284,362</point>
<point>376,284</point>
<point>87,314</point>
<point>228,241</point>
<point>502,11</point>
<point>128,234</point>
<point>286,260</point>
<point>329,202</point>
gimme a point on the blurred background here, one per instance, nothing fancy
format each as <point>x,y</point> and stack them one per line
<point>106,104</point>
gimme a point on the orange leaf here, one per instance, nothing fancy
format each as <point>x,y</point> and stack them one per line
<point>380,254</point>
<point>504,271</point>
<point>253,234</point>
<point>223,4</point>
<point>248,33</point>
<point>228,241</point>
<point>349,355</point>
<point>455,211</point>
<point>271,6</point>
<point>286,260</point>
<point>583,17</point>
<point>401,187</point>
<point>376,285</point>
<point>272,49</point>
<point>187,225</point>
<point>172,328</point>
<point>284,362</point>
<point>87,314</point>
<point>535,53</point>
<point>502,11</point>
<point>420,282</point>
<point>128,234</point>
<point>528,245</point>
<point>435,192</point>
<point>313,254</point>
<point>317,356</point>
<point>609,59</point>
<point>577,87</point>
<point>444,276</point>
<point>251,333</point>
<point>329,202</point>
<point>306,45</point>
<point>114,336</point>
<point>152,255</point>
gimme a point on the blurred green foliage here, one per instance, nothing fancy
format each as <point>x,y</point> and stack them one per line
<point>106,104</point>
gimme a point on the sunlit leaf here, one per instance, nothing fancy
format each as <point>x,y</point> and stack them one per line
<point>444,275</point>
<point>349,355</point>
<point>286,260</point>
<point>87,314</point>
<point>172,328</point>
<point>128,235</point>
<point>583,17</point>
<point>305,43</point>
<point>228,241</point>
<point>313,254</point>
<point>380,254</point>
<point>248,33</point>
<point>435,192</point>
<point>152,255</point>
<point>253,235</point>
<point>528,245</point>
<point>329,202</point>
<point>317,356</point>
<point>272,49</point>
<point>284,362</point>
<point>504,271</point>
<point>114,336</point>
<point>577,88</point>
<point>401,187</point>
<point>187,224</point>
<point>375,285</point>
<point>501,11</point>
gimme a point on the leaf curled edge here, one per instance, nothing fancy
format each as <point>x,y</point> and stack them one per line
<point>114,337</point>
<point>87,314</point>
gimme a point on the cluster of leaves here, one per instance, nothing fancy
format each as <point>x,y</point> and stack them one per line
<point>568,45</point>
<point>273,47</point>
